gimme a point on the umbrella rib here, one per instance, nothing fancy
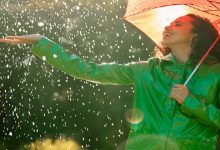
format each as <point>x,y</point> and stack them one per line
<point>206,11</point>
<point>136,13</point>
<point>217,21</point>
<point>212,3</point>
<point>194,6</point>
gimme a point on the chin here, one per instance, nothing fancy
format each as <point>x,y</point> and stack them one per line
<point>168,43</point>
<point>165,43</point>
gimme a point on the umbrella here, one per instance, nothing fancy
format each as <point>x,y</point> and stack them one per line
<point>145,14</point>
<point>151,16</point>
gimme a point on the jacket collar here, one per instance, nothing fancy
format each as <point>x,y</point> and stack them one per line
<point>170,58</point>
<point>210,60</point>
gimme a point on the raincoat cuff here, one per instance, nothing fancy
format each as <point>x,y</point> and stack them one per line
<point>43,44</point>
<point>47,49</point>
<point>191,103</point>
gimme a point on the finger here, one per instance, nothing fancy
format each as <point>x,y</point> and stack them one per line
<point>10,40</point>
<point>23,37</point>
<point>173,97</point>
<point>2,40</point>
<point>177,85</point>
<point>5,41</point>
<point>11,37</point>
<point>175,90</point>
<point>172,94</point>
<point>14,41</point>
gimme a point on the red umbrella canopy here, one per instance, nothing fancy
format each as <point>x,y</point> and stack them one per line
<point>151,16</point>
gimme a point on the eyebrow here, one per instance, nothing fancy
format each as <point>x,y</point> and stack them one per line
<point>177,22</point>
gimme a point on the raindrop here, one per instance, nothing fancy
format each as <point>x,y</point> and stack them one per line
<point>77,8</point>
<point>10,133</point>
<point>44,58</point>
<point>55,56</point>
<point>40,24</point>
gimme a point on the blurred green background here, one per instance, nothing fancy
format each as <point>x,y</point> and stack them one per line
<point>40,103</point>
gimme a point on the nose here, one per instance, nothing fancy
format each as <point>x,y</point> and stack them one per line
<point>167,28</point>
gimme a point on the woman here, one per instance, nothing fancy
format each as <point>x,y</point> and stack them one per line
<point>175,116</point>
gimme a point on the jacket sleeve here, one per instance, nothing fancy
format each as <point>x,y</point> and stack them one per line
<point>208,114</point>
<point>73,65</point>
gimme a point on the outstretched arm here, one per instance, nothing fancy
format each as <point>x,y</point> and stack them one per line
<point>73,65</point>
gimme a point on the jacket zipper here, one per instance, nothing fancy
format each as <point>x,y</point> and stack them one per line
<point>175,72</point>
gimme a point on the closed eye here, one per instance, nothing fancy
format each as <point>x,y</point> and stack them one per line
<point>176,23</point>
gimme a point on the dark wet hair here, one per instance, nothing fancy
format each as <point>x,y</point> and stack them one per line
<point>206,34</point>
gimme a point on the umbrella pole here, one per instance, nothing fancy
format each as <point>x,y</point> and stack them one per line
<point>202,59</point>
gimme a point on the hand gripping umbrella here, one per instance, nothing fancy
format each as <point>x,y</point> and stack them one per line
<point>151,16</point>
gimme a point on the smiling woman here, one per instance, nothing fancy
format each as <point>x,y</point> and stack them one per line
<point>197,40</point>
<point>166,113</point>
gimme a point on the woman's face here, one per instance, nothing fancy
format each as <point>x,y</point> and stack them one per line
<point>178,32</point>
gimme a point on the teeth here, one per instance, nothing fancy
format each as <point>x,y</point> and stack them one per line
<point>167,34</point>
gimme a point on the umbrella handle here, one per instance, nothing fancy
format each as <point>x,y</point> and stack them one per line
<point>202,59</point>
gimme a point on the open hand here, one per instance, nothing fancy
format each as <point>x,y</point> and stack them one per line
<point>23,39</point>
<point>179,92</point>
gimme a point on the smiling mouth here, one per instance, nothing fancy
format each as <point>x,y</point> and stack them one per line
<point>167,35</point>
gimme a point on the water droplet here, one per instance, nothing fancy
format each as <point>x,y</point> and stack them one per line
<point>40,24</point>
<point>55,56</point>
<point>77,8</point>
<point>44,58</point>
<point>10,133</point>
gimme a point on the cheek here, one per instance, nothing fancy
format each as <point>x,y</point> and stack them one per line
<point>183,35</point>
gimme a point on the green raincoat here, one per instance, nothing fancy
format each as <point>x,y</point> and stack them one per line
<point>165,125</point>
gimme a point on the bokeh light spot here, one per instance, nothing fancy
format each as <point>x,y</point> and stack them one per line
<point>134,116</point>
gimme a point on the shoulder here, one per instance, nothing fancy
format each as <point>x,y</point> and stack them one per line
<point>143,65</point>
<point>150,61</point>
<point>140,64</point>
<point>212,64</point>
<point>210,70</point>
<point>215,69</point>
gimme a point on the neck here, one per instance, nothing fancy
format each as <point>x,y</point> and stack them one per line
<point>181,53</point>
